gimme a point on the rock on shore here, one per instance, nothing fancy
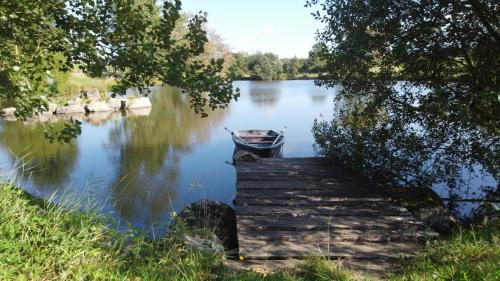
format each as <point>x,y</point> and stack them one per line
<point>427,206</point>
<point>117,103</point>
<point>88,101</point>
<point>141,102</point>
<point>9,111</point>
<point>71,107</point>
<point>215,217</point>
<point>97,106</point>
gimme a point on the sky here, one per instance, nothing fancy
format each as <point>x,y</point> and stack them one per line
<point>284,27</point>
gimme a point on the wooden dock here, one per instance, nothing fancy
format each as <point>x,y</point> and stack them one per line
<point>293,208</point>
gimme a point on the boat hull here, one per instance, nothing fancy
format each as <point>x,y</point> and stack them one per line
<point>264,143</point>
<point>276,152</point>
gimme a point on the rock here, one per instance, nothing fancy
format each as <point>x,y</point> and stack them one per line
<point>9,111</point>
<point>51,109</point>
<point>212,217</point>
<point>141,102</point>
<point>243,155</point>
<point>487,212</point>
<point>427,206</point>
<point>92,94</point>
<point>117,103</point>
<point>211,245</point>
<point>438,218</point>
<point>72,107</point>
<point>97,106</point>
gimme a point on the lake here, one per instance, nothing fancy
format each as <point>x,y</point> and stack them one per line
<point>141,166</point>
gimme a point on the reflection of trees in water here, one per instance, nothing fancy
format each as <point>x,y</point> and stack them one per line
<point>51,162</point>
<point>268,95</point>
<point>320,94</point>
<point>318,98</point>
<point>406,152</point>
<point>149,158</point>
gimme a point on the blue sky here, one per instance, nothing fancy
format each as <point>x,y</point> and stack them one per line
<point>284,27</point>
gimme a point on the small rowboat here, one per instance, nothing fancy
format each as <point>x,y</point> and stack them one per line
<point>264,143</point>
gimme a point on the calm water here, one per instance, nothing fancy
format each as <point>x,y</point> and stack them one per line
<point>140,167</point>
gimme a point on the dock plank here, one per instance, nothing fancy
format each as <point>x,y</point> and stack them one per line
<point>258,249</point>
<point>294,208</point>
<point>342,235</point>
<point>363,268</point>
<point>305,194</point>
<point>301,185</point>
<point>327,222</point>
<point>364,209</point>
<point>309,201</point>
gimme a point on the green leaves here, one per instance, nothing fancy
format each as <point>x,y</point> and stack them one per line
<point>264,66</point>
<point>70,131</point>
<point>132,39</point>
<point>426,72</point>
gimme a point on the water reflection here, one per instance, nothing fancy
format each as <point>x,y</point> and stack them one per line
<point>139,165</point>
<point>99,118</point>
<point>461,194</point>
<point>318,99</point>
<point>264,94</point>
<point>150,145</point>
<point>50,163</point>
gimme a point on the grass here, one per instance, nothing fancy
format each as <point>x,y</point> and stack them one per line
<point>70,84</point>
<point>471,253</point>
<point>42,241</point>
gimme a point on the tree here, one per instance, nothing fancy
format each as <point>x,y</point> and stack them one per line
<point>314,63</point>
<point>421,82</point>
<point>292,67</point>
<point>240,65</point>
<point>265,66</point>
<point>132,37</point>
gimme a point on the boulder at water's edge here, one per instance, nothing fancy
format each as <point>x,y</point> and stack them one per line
<point>213,216</point>
<point>72,107</point>
<point>141,102</point>
<point>9,111</point>
<point>98,106</point>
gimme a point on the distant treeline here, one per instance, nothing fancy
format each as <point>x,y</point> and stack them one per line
<point>268,66</point>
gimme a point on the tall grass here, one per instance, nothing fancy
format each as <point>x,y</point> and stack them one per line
<point>69,84</point>
<point>472,253</point>
<point>43,241</point>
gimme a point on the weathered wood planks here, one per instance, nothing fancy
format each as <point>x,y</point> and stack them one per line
<point>258,249</point>
<point>363,209</point>
<point>326,222</point>
<point>295,208</point>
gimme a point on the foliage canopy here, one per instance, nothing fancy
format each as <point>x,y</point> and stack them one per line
<point>268,66</point>
<point>420,96</point>
<point>134,39</point>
